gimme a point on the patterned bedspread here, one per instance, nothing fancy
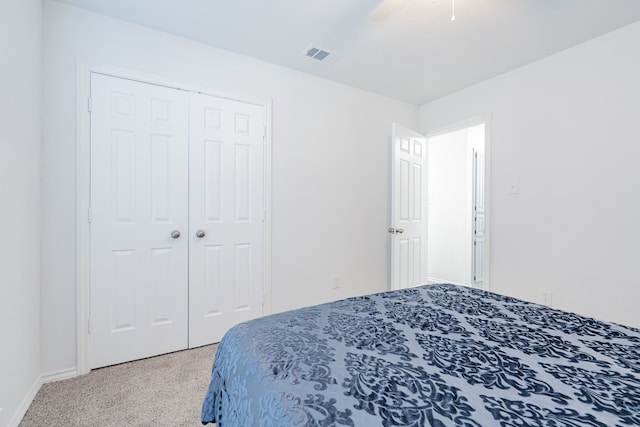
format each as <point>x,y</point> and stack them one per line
<point>436,355</point>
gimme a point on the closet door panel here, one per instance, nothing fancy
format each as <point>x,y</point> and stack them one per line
<point>139,225</point>
<point>226,216</point>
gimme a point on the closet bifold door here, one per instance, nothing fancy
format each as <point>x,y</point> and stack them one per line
<point>226,215</point>
<point>139,220</point>
<point>177,227</point>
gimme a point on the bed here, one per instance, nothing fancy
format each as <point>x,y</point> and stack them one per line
<point>435,355</point>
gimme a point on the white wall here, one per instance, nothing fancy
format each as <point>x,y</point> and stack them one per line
<point>566,129</point>
<point>20,124</point>
<point>330,163</point>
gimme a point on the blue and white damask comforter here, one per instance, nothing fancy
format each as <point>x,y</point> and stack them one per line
<point>438,355</point>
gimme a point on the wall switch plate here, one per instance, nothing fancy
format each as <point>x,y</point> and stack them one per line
<point>513,187</point>
<point>337,282</point>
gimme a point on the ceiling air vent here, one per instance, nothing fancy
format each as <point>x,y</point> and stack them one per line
<point>321,55</point>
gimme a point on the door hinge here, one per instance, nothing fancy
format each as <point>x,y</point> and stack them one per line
<point>89,325</point>
<point>89,215</point>
<point>90,104</point>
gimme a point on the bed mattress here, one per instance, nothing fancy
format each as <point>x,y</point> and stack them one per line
<point>435,355</point>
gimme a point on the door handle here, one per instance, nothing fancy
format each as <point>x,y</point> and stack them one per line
<point>396,230</point>
<point>175,234</point>
<point>200,234</point>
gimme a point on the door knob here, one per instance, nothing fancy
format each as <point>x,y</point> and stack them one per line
<point>396,230</point>
<point>399,230</point>
<point>200,234</point>
<point>175,234</point>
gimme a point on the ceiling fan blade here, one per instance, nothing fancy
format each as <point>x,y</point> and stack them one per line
<point>385,10</point>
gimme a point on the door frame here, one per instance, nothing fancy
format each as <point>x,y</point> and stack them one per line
<point>463,124</point>
<point>83,191</point>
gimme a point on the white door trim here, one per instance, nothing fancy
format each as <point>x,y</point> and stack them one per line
<point>473,121</point>
<point>83,192</point>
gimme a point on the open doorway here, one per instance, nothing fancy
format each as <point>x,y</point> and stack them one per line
<point>456,205</point>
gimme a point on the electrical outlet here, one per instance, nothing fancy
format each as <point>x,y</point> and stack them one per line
<point>337,282</point>
<point>546,298</point>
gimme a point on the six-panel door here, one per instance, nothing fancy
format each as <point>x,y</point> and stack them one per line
<point>226,212</point>
<point>409,212</point>
<point>177,202</point>
<point>139,173</point>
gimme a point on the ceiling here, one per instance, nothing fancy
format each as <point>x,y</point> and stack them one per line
<point>416,55</point>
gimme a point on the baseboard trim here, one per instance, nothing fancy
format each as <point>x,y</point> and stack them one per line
<point>35,388</point>
<point>63,374</point>
<point>26,402</point>
<point>432,280</point>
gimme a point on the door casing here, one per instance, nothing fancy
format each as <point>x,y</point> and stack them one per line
<point>83,192</point>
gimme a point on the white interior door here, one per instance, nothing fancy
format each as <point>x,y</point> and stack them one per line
<point>139,220</point>
<point>177,218</point>
<point>409,208</point>
<point>226,216</point>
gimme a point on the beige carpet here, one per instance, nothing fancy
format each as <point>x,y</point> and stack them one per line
<point>159,391</point>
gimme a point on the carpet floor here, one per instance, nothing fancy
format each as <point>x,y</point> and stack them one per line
<point>160,391</point>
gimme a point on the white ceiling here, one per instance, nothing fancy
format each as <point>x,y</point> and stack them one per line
<point>418,54</point>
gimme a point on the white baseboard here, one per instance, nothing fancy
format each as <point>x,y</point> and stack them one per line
<point>432,280</point>
<point>63,374</point>
<point>26,402</point>
<point>35,388</point>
